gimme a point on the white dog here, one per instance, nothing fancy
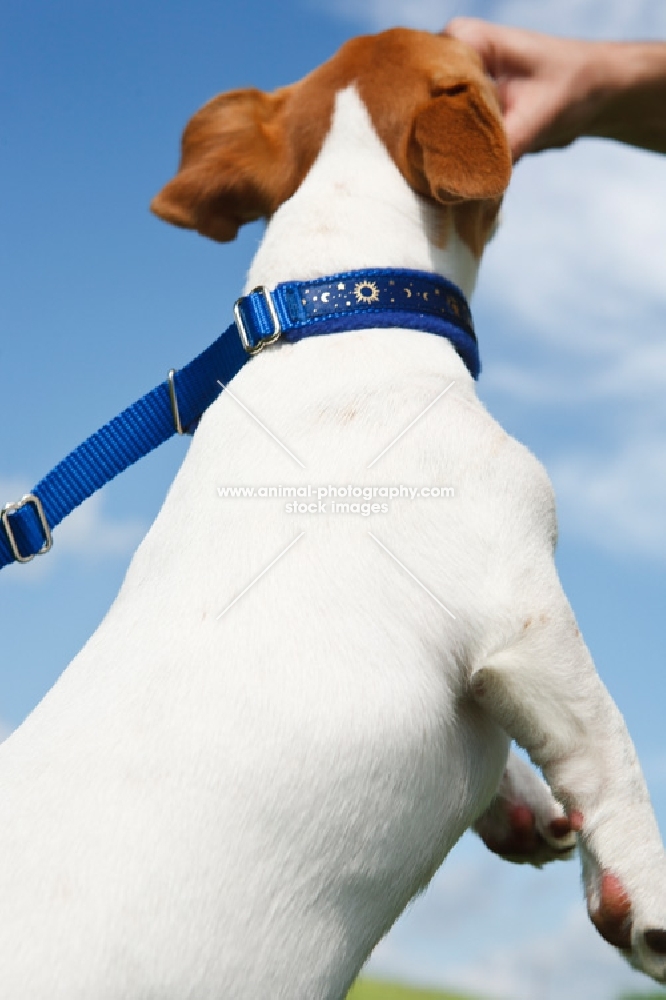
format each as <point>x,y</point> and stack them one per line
<point>239,783</point>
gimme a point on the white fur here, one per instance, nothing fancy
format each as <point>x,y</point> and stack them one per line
<point>241,807</point>
<point>345,217</point>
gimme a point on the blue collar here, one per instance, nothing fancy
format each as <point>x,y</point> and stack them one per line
<point>353,300</point>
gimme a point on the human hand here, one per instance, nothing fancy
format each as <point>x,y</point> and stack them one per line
<point>548,87</point>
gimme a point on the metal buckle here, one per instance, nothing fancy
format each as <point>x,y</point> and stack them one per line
<point>174,402</point>
<point>4,517</point>
<point>242,329</point>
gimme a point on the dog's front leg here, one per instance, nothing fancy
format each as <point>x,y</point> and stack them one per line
<point>543,689</point>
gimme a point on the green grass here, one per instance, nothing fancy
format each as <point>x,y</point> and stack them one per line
<point>643,996</point>
<point>371,989</point>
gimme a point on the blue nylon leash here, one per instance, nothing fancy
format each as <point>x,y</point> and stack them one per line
<point>383,297</point>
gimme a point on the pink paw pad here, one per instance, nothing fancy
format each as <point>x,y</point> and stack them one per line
<point>521,840</point>
<point>612,917</point>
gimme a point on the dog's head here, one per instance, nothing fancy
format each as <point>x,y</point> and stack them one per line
<point>246,152</point>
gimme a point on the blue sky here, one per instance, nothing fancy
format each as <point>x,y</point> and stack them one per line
<point>99,299</point>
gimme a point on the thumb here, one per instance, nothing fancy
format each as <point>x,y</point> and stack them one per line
<point>518,132</point>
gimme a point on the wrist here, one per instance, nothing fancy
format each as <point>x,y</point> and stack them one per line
<point>626,93</point>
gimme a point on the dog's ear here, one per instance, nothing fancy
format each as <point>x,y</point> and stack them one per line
<point>234,166</point>
<point>458,146</point>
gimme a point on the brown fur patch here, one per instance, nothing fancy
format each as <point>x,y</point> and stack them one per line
<point>474,222</point>
<point>245,153</point>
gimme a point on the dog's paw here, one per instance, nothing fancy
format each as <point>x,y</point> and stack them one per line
<point>524,823</point>
<point>514,831</point>
<point>611,912</point>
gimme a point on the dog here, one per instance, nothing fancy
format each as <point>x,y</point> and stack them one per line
<point>287,719</point>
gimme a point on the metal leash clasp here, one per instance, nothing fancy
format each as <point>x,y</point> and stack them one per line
<point>175,412</point>
<point>16,505</point>
<point>242,328</point>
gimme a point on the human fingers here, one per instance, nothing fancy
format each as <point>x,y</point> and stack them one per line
<point>504,51</point>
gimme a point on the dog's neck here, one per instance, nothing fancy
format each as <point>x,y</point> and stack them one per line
<point>355,210</point>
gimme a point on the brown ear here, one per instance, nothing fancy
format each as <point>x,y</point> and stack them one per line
<point>234,166</point>
<point>459,148</point>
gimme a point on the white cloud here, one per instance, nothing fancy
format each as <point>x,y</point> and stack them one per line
<point>578,275</point>
<point>578,271</point>
<point>572,961</point>
<point>460,895</point>
<point>617,501</point>
<point>543,945</point>
<point>88,533</point>
<point>461,891</point>
<point>578,259</point>
<point>590,18</point>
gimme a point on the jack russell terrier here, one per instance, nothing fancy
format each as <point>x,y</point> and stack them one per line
<point>288,719</point>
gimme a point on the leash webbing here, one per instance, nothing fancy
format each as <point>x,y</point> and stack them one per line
<point>384,297</point>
